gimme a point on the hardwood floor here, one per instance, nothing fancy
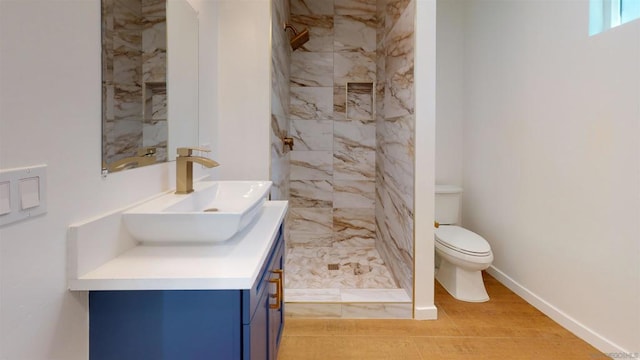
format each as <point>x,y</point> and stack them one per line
<point>506,327</point>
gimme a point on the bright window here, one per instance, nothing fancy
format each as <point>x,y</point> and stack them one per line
<point>606,14</point>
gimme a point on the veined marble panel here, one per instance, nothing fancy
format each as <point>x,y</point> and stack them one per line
<point>374,295</point>
<point>354,194</point>
<point>279,120</point>
<point>107,102</point>
<point>395,9</point>
<point>311,102</point>
<point>397,155</point>
<point>126,56</point>
<point>311,165</point>
<point>306,310</point>
<point>154,67</point>
<point>354,67</point>
<point>394,221</point>
<point>354,7</point>
<point>399,99</point>
<point>354,151</point>
<point>311,193</point>
<point>280,167</point>
<point>378,311</point>
<point>320,32</point>
<point>309,228</point>
<point>380,86</point>
<point>340,102</point>
<point>395,104</point>
<point>400,263</point>
<point>123,138</point>
<point>311,69</point>
<point>159,107</point>
<point>126,14</point>
<point>353,136</point>
<point>399,67</point>
<point>155,134</point>
<point>354,227</point>
<point>398,219</point>
<point>312,295</point>
<point>279,177</point>
<point>154,35</point>
<point>154,8</point>
<point>308,7</point>
<point>154,51</point>
<point>355,33</point>
<point>358,268</point>
<point>354,165</point>
<point>128,103</point>
<point>312,134</point>
<point>397,296</point>
<point>280,61</point>
<point>350,310</point>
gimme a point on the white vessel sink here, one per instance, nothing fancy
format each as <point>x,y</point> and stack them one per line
<point>214,212</point>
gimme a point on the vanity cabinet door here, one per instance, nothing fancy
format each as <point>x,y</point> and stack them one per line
<point>276,303</point>
<point>261,335</point>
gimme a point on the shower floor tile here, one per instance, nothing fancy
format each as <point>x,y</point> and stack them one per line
<point>357,268</point>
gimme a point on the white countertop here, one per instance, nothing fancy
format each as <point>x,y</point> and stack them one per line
<point>233,264</point>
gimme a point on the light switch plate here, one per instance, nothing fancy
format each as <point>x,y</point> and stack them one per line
<point>26,193</point>
<point>5,197</point>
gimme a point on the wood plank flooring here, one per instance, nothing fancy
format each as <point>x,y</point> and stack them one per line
<point>506,327</point>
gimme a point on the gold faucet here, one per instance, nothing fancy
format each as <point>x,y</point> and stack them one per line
<point>184,168</point>
<point>145,156</point>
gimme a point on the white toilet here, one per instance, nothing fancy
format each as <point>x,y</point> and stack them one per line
<point>462,254</point>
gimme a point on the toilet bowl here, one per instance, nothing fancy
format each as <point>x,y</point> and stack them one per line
<point>462,254</point>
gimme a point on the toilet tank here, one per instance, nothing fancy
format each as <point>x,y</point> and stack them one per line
<point>447,204</point>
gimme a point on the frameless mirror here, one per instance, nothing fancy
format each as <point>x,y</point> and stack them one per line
<point>149,81</point>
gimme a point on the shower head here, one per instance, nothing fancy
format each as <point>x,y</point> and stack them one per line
<point>298,39</point>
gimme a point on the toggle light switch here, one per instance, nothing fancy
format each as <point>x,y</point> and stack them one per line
<point>30,192</point>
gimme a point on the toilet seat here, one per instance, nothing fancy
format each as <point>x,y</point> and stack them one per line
<point>462,241</point>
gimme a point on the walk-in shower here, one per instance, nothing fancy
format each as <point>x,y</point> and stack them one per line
<point>346,98</point>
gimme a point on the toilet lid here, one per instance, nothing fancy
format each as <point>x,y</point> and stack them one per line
<point>462,240</point>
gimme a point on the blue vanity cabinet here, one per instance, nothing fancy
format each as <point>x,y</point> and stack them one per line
<point>243,324</point>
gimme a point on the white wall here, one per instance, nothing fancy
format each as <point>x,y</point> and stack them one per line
<point>50,113</point>
<point>449,91</point>
<point>425,76</point>
<point>552,161</point>
<point>244,88</point>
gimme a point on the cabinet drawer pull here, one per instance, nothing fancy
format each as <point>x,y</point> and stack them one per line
<point>277,295</point>
<point>280,274</point>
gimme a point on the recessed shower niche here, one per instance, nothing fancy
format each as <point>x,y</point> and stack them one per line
<point>360,101</point>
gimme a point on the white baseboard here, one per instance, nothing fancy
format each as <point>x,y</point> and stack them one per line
<point>425,313</point>
<point>580,330</point>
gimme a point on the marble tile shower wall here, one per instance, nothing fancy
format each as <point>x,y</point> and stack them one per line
<point>280,64</point>
<point>395,137</point>
<point>134,49</point>
<point>332,184</point>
